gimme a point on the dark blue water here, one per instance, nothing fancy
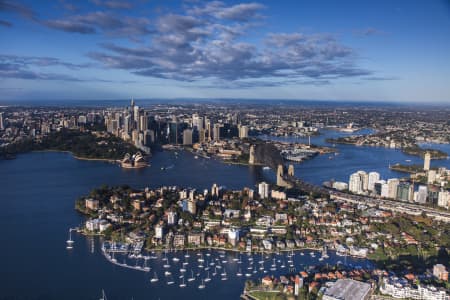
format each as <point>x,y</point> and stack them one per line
<point>37,194</point>
<point>351,159</point>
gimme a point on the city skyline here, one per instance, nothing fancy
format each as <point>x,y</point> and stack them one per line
<point>232,49</point>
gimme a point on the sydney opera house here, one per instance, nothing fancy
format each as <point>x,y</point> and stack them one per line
<point>133,161</point>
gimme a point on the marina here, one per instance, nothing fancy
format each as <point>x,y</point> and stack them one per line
<point>223,264</point>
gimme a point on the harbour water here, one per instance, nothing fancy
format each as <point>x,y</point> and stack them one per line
<point>350,158</point>
<point>37,194</point>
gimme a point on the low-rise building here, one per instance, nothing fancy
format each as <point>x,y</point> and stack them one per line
<point>348,289</point>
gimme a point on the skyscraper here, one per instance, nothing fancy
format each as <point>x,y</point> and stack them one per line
<point>426,161</point>
<point>404,191</point>
<point>422,194</point>
<point>373,177</point>
<point>358,182</point>
<point>392,187</point>
<point>197,122</point>
<point>2,127</point>
<point>243,132</point>
<point>187,137</point>
<point>216,132</point>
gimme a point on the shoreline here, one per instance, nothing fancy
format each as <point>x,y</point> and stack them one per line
<point>79,157</point>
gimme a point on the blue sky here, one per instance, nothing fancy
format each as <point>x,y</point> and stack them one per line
<point>325,50</point>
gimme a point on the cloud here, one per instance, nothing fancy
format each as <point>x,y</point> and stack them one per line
<point>14,7</point>
<point>27,61</point>
<point>186,56</point>
<point>113,4</point>
<point>69,26</point>
<point>101,21</point>
<point>5,23</point>
<point>239,12</point>
<point>202,40</point>
<point>23,67</point>
<point>380,78</point>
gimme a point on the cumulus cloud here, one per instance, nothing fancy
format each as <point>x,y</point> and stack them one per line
<point>5,23</point>
<point>205,43</point>
<point>113,4</point>
<point>15,7</point>
<point>105,22</point>
<point>23,67</point>
<point>240,12</point>
<point>39,61</point>
<point>203,40</point>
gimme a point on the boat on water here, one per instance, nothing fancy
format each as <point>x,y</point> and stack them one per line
<point>167,273</point>
<point>202,285</point>
<point>192,278</point>
<point>70,241</point>
<point>207,279</point>
<point>103,295</point>
<point>155,278</point>
<point>182,284</point>
<point>239,273</point>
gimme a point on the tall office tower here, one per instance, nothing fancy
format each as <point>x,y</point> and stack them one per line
<point>127,124</point>
<point>208,129</point>
<point>135,136</point>
<point>173,132</point>
<point>216,132</point>
<point>136,114</point>
<point>202,136</point>
<point>187,137</point>
<point>263,190</point>
<point>392,186</point>
<point>143,122</point>
<point>373,177</point>
<point>2,127</point>
<point>197,122</point>
<point>422,194</point>
<point>426,161</point>
<point>243,132</point>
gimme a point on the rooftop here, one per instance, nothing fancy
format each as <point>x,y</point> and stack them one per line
<point>349,289</point>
